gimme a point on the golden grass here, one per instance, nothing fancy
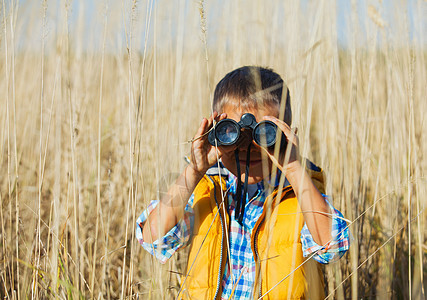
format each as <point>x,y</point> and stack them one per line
<point>91,121</point>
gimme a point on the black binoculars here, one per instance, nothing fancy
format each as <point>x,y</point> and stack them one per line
<point>227,132</point>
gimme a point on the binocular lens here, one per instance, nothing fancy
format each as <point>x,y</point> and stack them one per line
<point>265,134</point>
<point>227,133</point>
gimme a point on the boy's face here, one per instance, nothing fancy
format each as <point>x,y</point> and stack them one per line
<point>259,164</point>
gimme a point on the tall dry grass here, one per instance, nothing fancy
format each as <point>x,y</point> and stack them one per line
<point>98,101</point>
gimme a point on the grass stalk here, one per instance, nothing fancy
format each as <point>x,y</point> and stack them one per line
<point>35,285</point>
<point>98,186</point>
<point>14,13</point>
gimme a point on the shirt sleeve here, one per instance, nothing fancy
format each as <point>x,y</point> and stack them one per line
<point>336,248</point>
<point>179,236</point>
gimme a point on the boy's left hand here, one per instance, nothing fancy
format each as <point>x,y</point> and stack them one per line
<point>290,154</point>
<point>315,209</point>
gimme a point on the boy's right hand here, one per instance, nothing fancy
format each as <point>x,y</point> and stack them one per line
<point>171,207</point>
<point>203,154</point>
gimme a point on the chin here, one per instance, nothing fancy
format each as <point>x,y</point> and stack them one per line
<point>256,173</point>
<point>252,178</point>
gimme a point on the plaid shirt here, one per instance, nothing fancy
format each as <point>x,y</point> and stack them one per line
<point>242,260</point>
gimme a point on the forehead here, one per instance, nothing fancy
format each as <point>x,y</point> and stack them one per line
<point>235,112</point>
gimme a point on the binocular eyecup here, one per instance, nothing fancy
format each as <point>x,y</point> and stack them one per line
<point>227,132</point>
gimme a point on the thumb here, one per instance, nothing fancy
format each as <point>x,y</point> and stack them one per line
<point>273,159</point>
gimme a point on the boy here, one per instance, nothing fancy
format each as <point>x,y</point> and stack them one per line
<point>248,240</point>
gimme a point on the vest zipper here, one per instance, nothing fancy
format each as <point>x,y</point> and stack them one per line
<point>222,238</point>
<point>218,284</point>
<point>258,263</point>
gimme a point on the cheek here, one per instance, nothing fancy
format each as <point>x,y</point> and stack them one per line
<point>263,169</point>
<point>229,162</point>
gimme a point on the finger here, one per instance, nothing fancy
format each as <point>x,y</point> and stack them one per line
<point>273,159</point>
<point>213,116</point>
<point>218,118</point>
<point>214,154</point>
<point>282,125</point>
<point>201,127</point>
<point>221,117</point>
<point>206,124</point>
<point>285,128</point>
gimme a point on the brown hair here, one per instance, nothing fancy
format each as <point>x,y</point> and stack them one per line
<point>252,86</point>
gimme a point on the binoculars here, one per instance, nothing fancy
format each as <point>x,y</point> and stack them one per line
<point>227,132</point>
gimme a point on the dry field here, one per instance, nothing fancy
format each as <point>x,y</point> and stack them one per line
<point>98,101</point>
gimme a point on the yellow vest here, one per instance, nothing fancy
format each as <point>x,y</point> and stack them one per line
<point>275,242</point>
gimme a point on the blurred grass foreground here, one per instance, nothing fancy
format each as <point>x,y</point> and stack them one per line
<point>99,98</point>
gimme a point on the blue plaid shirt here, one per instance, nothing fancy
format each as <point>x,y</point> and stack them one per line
<point>241,277</point>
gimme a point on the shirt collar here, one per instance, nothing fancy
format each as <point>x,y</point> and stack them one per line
<point>262,185</point>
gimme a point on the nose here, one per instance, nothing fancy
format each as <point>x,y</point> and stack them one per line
<point>245,139</point>
<point>244,144</point>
